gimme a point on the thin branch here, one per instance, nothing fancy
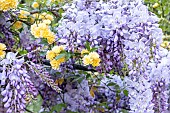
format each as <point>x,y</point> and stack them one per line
<point>28,110</point>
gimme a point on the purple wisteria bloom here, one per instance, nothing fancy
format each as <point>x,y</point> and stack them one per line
<point>16,82</point>
<point>127,36</point>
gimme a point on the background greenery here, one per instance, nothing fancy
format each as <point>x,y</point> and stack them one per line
<point>162,9</point>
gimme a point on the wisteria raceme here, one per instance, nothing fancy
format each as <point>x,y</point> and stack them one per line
<point>44,76</point>
<point>126,34</point>
<point>116,27</point>
<point>16,84</point>
<point>158,70</point>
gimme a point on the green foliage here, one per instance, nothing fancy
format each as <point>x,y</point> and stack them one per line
<point>162,10</point>
<point>58,108</point>
<point>35,105</point>
<point>60,56</point>
<point>125,92</point>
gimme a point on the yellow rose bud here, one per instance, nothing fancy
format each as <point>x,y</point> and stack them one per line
<point>155,5</point>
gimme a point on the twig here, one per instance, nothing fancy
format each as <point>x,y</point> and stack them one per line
<point>28,110</point>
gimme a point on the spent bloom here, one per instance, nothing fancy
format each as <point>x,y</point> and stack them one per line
<point>17,25</point>
<point>6,5</point>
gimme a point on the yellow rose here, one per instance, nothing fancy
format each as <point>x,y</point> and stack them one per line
<point>2,47</point>
<point>35,5</point>
<point>94,55</point>
<point>87,60</point>
<point>57,49</point>
<point>8,4</point>
<point>24,14</point>
<point>55,64</point>
<point>96,62</point>
<point>2,54</point>
<point>61,60</point>
<point>50,55</point>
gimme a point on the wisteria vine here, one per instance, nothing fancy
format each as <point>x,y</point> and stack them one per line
<point>83,56</point>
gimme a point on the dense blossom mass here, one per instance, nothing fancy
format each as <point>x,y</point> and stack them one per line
<point>127,37</point>
<point>8,4</point>
<point>99,57</point>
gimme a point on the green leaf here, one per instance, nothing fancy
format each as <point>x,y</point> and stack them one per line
<point>124,111</point>
<point>93,49</point>
<point>79,79</point>
<point>88,76</point>
<point>2,35</point>
<point>87,45</point>
<point>77,54</point>
<point>42,53</point>
<point>35,105</point>
<point>68,56</point>
<point>23,52</point>
<point>111,84</point>
<point>73,77</point>
<point>58,107</point>
<point>125,92</point>
<point>44,41</point>
<point>111,72</point>
<point>60,11</point>
<point>68,111</point>
<point>60,56</point>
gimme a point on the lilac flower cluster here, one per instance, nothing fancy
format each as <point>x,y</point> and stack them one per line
<point>119,28</point>
<point>16,82</point>
<point>159,72</point>
<point>128,37</point>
